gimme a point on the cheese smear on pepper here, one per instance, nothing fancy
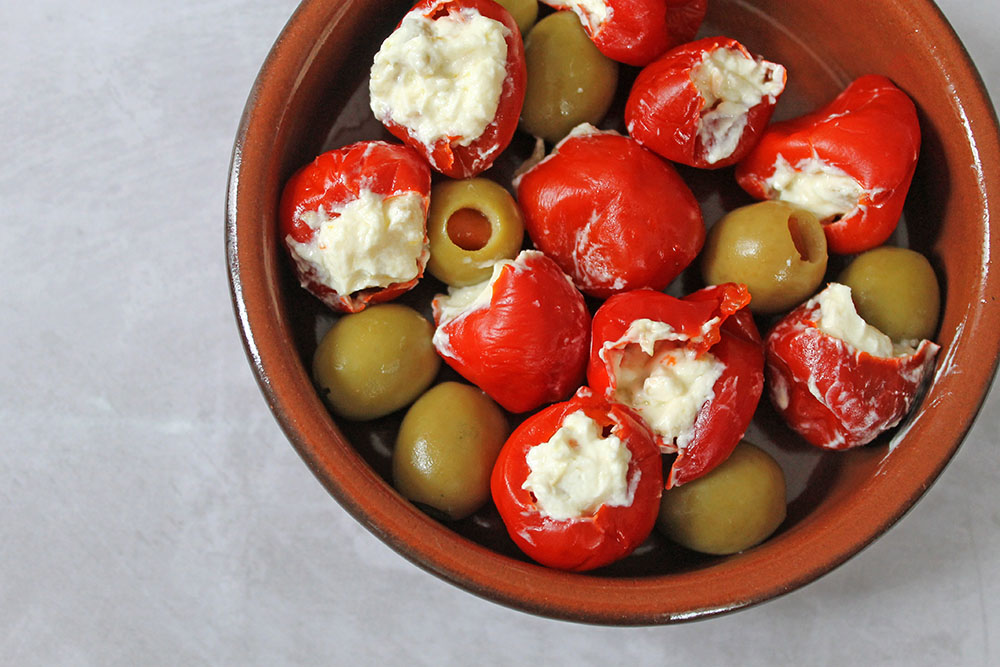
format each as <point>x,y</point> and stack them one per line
<point>731,84</point>
<point>592,13</point>
<point>577,470</point>
<point>441,78</point>
<point>820,188</point>
<point>839,318</point>
<point>375,241</point>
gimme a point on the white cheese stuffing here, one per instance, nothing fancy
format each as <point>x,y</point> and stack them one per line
<point>731,83</point>
<point>577,470</point>
<point>372,241</point>
<point>463,300</point>
<point>839,318</point>
<point>668,388</point>
<point>441,78</point>
<point>592,13</point>
<point>825,190</point>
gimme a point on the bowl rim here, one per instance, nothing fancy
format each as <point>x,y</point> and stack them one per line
<point>517,584</point>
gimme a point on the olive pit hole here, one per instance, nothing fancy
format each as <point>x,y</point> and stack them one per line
<point>469,229</point>
<point>807,238</point>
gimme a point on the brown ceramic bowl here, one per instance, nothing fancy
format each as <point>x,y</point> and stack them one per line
<point>311,95</point>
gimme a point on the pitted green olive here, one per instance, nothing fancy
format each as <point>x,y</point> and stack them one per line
<point>471,225</point>
<point>777,250</point>
<point>569,80</point>
<point>446,448</point>
<point>374,362</point>
<point>895,290</point>
<point>733,507</point>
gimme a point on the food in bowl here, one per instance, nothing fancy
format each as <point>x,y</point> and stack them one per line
<point>868,487</point>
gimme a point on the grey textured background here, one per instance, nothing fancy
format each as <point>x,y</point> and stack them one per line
<point>151,510</point>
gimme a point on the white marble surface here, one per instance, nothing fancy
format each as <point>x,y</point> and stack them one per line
<point>151,510</point>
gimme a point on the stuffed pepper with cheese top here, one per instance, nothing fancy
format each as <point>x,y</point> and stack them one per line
<point>578,485</point>
<point>850,163</point>
<point>450,81</point>
<point>693,368</point>
<point>838,381</point>
<point>704,103</point>
<point>355,223</point>
<point>636,32</point>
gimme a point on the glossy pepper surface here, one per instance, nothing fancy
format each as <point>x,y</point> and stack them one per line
<point>449,156</point>
<point>668,114</point>
<point>337,178</point>
<point>636,32</point>
<point>612,214</point>
<point>525,341</point>
<point>712,320</point>
<point>606,533</point>
<point>869,132</point>
<point>834,395</point>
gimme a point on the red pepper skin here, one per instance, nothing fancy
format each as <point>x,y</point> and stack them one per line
<point>636,32</point>
<point>614,216</point>
<point>333,180</point>
<point>529,347</point>
<point>858,396</point>
<point>871,132</point>
<point>733,339</point>
<point>446,155</point>
<point>664,107</point>
<point>612,532</point>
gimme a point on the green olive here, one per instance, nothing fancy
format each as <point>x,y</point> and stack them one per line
<point>471,225</point>
<point>525,12</point>
<point>569,80</point>
<point>733,507</point>
<point>446,448</point>
<point>777,250</point>
<point>376,361</point>
<point>895,290</point>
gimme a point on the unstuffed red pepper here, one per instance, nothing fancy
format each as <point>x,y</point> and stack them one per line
<point>636,32</point>
<point>450,81</point>
<point>520,336</point>
<point>613,215</point>
<point>704,103</point>
<point>850,163</point>
<point>835,379</point>
<point>578,484</point>
<point>354,223</point>
<point>693,368</point>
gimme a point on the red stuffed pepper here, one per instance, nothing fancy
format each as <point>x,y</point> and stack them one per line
<point>578,485</point>
<point>837,380</point>
<point>450,83</point>
<point>636,32</point>
<point>355,223</point>
<point>520,336</point>
<point>613,215</point>
<point>850,163</point>
<point>693,368</point>
<point>704,103</point>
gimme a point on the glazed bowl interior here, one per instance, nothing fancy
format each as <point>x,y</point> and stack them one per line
<point>311,95</point>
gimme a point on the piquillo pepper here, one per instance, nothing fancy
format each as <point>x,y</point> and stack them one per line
<point>613,215</point>
<point>704,103</point>
<point>693,368</point>
<point>520,336</point>
<point>450,82</point>
<point>578,484</point>
<point>850,163</point>
<point>636,32</point>
<point>836,380</point>
<point>354,223</point>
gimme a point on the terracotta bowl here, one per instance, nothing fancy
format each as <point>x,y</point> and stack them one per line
<point>311,95</point>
